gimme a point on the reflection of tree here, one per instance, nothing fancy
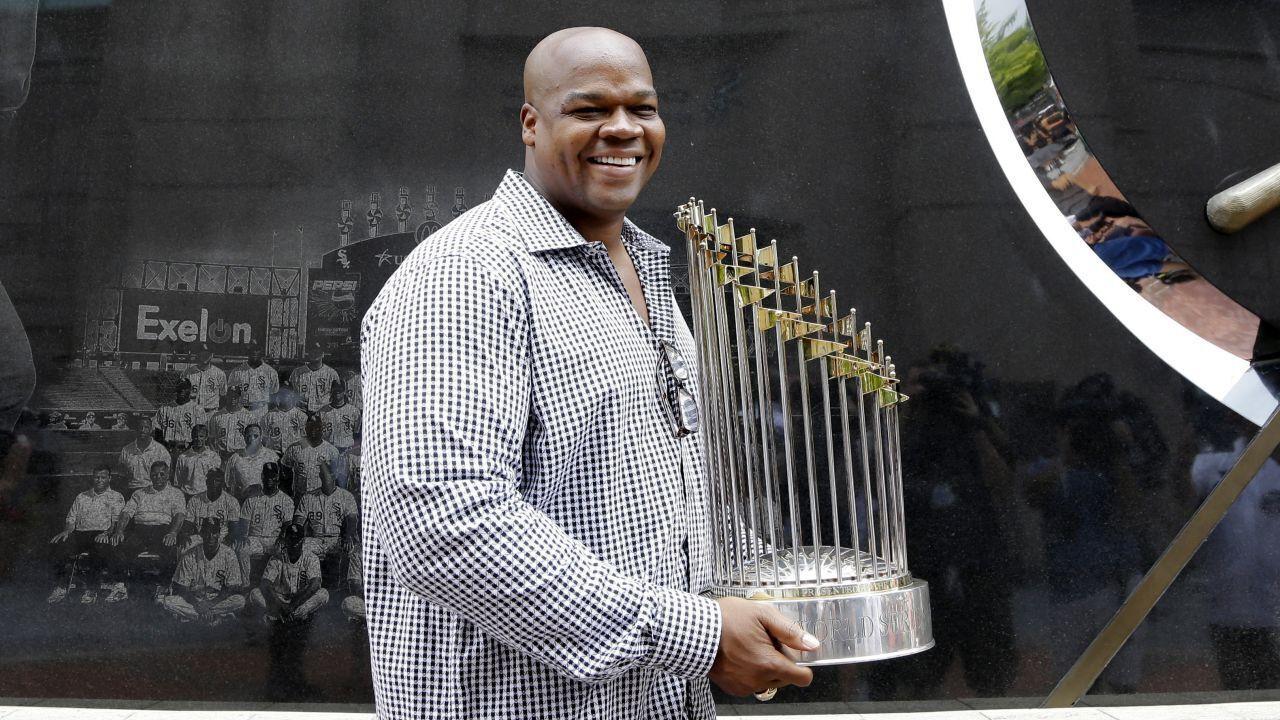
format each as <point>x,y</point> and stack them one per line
<point>1014,59</point>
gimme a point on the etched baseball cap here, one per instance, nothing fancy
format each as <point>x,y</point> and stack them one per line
<point>292,534</point>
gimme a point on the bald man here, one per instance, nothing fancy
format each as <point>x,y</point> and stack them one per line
<point>534,506</point>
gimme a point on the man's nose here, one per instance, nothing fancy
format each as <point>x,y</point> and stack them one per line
<point>620,124</point>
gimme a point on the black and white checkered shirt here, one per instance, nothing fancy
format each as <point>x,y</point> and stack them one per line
<point>534,534</point>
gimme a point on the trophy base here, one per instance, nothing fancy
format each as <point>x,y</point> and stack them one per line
<point>863,627</point>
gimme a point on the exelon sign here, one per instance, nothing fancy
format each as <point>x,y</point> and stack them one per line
<point>151,326</point>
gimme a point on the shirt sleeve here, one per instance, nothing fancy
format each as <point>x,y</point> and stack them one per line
<point>447,448</point>
<point>74,512</point>
<point>185,575</point>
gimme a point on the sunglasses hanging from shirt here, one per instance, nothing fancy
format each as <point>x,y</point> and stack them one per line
<point>800,427</point>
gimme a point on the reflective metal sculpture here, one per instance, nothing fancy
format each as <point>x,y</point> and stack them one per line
<point>800,418</point>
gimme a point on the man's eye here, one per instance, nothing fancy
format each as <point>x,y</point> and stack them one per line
<point>586,112</point>
<point>645,110</point>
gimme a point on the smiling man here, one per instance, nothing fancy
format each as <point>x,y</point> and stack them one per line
<point>534,506</point>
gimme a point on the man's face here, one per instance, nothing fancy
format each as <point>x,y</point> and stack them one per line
<point>199,436</point>
<point>159,475</point>
<point>294,551</point>
<point>270,483</point>
<point>145,429</point>
<point>183,393</point>
<point>594,133</point>
<point>338,396</point>
<point>210,535</point>
<point>214,484</point>
<point>314,429</point>
<point>205,357</point>
<point>252,435</point>
<point>101,480</point>
<point>255,357</point>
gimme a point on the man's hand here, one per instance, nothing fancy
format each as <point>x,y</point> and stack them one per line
<point>59,537</point>
<point>750,657</point>
<point>170,539</point>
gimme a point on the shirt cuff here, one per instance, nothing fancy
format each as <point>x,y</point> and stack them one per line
<point>685,633</point>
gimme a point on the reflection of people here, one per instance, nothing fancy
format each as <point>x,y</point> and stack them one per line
<point>958,495</point>
<point>1091,506</point>
<point>264,515</point>
<point>207,585</point>
<point>138,459</point>
<point>545,521</point>
<point>150,523</point>
<point>1241,561</point>
<point>255,380</point>
<point>90,523</point>
<point>304,458</point>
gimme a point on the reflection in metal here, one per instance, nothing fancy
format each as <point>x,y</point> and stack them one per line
<point>802,450</point>
<point>1234,208</point>
<point>1095,658</point>
<point>1177,314</point>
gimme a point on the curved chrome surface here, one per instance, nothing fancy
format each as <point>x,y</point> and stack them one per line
<point>1176,313</point>
<point>864,627</point>
<point>1234,208</point>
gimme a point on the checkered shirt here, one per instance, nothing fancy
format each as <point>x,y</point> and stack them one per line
<point>534,536</point>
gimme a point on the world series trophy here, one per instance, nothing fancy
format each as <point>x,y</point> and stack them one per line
<point>800,418</point>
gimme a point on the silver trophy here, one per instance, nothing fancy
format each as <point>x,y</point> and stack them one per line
<point>800,418</point>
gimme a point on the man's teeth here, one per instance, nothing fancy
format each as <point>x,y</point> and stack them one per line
<point>625,161</point>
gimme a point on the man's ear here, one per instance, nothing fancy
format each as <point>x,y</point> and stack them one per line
<point>528,122</point>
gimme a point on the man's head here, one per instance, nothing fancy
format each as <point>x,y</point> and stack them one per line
<point>315,356</point>
<point>204,354</point>
<point>146,428</point>
<point>255,356</point>
<point>159,474</point>
<point>101,478</point>
<point>292,536</point>
<point>214,483</point>
<point>590,122</point>
<point>314,429</point>
<point>210,534</point>
<point>199,436</point>
<point>252,435</point>
<point>270,478</point>
<point>338,395</point>
<point>182,391</point>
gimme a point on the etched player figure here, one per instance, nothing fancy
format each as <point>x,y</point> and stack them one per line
<point>138,458</point>
<point>263,516</point>
<point>256,380</point>
<point>290,591</point>
<point>149,523</point>
<point>214,502</point>
<point>283,425</point>
<point>243,468</point>
<point>193,464</point>
<point>208,383</point>
<point>175,421</point>
<point>219,422</point>
<point>305,458</point>
<point>89,525</point>
<point>326,513</point>
<point>313,380</point>
<point>341,421</point>
<point>239,420</point>
<point>207,586</point>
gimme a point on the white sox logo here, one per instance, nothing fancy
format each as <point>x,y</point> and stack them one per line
<point>278,513</point>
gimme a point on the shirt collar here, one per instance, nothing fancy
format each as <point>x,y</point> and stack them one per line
<point>543,227</point>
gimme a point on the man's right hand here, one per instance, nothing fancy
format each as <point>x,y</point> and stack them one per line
<point>750,658</point>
